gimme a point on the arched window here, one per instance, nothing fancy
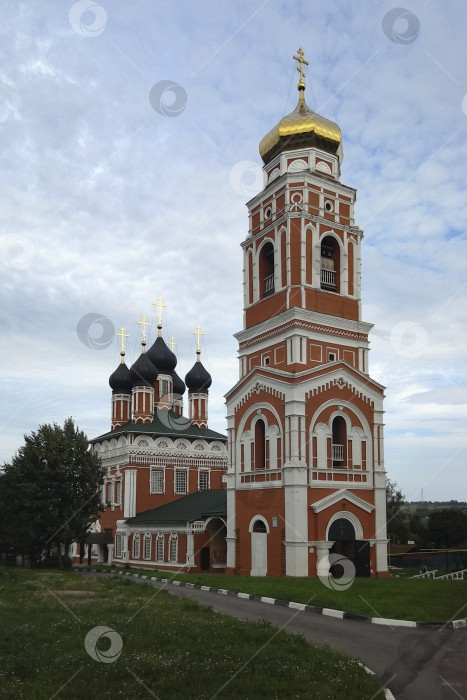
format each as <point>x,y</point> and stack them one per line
<point>136,549</point>
<point>260,445</point>
<point>339,442</point>
<point>147,545</point>
<point>330,264</point>
<point>266,270</point>
<point>259,526</point>
<point>173,548</point>
<point>160,547</point>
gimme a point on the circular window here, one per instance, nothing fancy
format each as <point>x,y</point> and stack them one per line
<point>328,205</point>
<point>268,213</point>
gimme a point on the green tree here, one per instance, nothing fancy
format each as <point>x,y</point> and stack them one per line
<point>49,493</point>
<point>397,525</point>
<point>418,529</point>
<point>447,527</point>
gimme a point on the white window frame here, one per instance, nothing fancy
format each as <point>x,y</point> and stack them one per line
<point>173,551</point>
<point>109,492</point>
<point>160,548</point>
<point>136,546</point>
<point>118,493</point>
<point>184,473</point>
<point>151,485</point>
<point>205,474</point>
<point>119,546</point>
<point>147,546</point>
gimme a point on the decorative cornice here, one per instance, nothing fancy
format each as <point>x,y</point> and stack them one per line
<point>305,325</point>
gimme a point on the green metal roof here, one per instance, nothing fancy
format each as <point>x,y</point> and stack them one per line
<point>172,424</point>
<point>194,506</point>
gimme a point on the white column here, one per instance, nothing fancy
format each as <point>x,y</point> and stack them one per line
<point>295,480</point>
<point>322,558</point>
<point>190,548</point>
<point>110,548</point>
<point>231,538</point>
<point>129,501</point>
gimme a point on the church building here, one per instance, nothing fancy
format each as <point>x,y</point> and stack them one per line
<point>306,483</point>
<point>164,496</point>
<point>298,486</point>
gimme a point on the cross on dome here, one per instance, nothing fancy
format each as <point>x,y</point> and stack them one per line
<point>159,306</point>
<point>302,62</point>
<point>198,334</point>
<point>122,335</point>
<point>143,323</point>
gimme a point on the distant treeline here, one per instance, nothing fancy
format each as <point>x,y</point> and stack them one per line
<point>424,508</point>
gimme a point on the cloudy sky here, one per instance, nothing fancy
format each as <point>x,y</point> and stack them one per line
<point>129,146</point>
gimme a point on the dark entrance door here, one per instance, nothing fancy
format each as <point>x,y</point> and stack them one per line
<point>362,557</point>
<point>357,551</point>
<point>205,555</point>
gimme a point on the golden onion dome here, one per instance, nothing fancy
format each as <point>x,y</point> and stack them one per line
<point>303,128</point>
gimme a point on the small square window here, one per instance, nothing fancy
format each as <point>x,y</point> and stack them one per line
<point>332,357</point>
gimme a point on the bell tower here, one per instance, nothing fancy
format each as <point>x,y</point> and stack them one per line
<point>305,419</point>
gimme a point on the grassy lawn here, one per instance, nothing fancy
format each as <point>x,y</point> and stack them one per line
<point>396,598</point>
<point>172,648</point>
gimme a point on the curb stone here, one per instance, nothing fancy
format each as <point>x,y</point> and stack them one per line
<point>330,612</point>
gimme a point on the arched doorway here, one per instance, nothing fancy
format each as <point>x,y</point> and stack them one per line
<point>266,269</point>
<point>330,264</point>
<point>260,445</point>
<point>339,442</point>
<point>217,543</point>
<point>259,548</point>
<point>342,533</point>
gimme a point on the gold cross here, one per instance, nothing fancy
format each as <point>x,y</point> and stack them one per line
<point>122,335</point>
<point>143,323</point>
<point>159,306</point>
<point>301,61</point>
<point>172,343</point>
<point>198,333</point>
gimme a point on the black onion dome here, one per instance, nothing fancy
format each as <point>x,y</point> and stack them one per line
<point>161,356</point>
<point>198,379</point>
<point>178,385</point>
<point>143,372</point>
<point>121,380</point>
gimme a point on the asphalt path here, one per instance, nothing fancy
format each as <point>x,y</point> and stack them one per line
<point>414,663</point>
